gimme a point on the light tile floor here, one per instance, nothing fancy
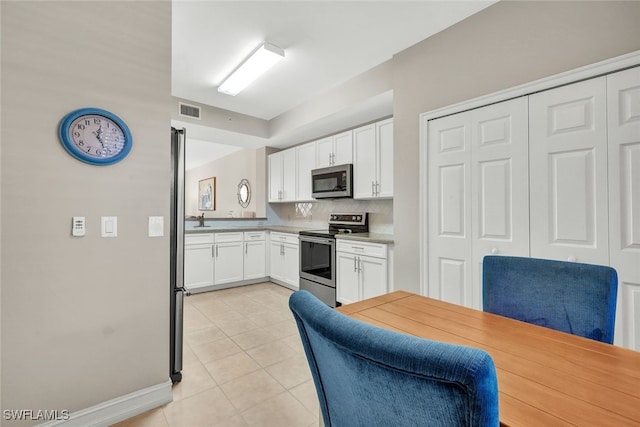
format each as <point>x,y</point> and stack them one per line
<point>244,364</point>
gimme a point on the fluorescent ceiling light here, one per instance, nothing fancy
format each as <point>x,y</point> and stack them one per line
<point>263,58</point>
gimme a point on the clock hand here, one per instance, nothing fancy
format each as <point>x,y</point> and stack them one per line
<point>99,137</point>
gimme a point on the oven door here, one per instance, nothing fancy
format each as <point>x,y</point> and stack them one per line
<point>318,260</point>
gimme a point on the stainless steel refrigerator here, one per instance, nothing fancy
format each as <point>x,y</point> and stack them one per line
<point>176,289</point>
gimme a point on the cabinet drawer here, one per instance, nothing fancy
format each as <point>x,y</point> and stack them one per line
<point>228,237</point>
<point>284,238</point>
<point>362,248</point>
<point>198,239</point>
<point>254,235</point>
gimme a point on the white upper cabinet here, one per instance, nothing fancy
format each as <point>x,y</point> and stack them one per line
<point>306,162</point>
<point>282,176</point>
<point>373,160</point>
<point>335,150</point>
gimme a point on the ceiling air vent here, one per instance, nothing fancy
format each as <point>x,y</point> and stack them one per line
<point>191,111</point>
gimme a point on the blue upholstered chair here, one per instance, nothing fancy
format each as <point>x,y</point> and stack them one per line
<point>369,376</point>
<point>576,298</point>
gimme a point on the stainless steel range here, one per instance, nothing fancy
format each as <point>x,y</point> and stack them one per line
<point>318,254</point>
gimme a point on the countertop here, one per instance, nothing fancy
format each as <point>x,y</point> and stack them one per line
<point>363,237</point>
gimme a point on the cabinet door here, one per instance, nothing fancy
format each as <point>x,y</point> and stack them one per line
<point>343,148</point>
<point>373,276</point>
<point>449,244</point>
<point>276,266</point>
<point>347,288</point>
<point>306,155</point>
<point>568,164</point>
<point>364,162</point>
<point>198,266</point>
<point>291,265</point>
<point>623,97</point>
<point>255,260</point>
<point>289,175</point>
<point>275,177</point>
<point>324,152</point>
<point>228,262</point>
<point>384,184</point>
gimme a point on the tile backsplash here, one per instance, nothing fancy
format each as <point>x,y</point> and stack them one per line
<point>316,214</point>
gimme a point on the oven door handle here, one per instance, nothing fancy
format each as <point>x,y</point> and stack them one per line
<point>320,240</point>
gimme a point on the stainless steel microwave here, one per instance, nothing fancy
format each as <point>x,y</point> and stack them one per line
<point>333,182</point>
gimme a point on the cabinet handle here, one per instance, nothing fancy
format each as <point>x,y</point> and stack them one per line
<point>282,249</point>
<point>377,188</point>
<point>330,160</point>
<point>373,188</point>
<point>357,248</point>
<point>216,251</point>
<point>333,158</point>
<point>213,254</point>
<point>359,265</point>
<point>246,248</point>
<point>355,264</point>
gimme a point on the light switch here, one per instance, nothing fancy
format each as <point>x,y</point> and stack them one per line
<point>156,226</point>
<point>109,226</point>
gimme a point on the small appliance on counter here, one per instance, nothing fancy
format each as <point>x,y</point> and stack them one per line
<point>318,254</point>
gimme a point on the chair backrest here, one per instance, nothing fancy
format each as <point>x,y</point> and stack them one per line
<point>576,298</point>
<point>369,376</point>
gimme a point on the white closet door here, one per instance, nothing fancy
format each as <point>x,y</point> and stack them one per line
<point>623,95</point>
<point>568,173</point>
<point>449,248</point>
<point>500,180</point>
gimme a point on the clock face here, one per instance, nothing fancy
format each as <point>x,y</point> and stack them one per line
<point>95,136</point>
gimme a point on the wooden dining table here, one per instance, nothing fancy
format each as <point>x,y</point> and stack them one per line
<point>545,377</point>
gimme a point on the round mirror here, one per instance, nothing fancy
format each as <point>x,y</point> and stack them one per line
<point>244,193</point>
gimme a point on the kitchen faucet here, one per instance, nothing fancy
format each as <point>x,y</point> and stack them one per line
<point>201,220</point>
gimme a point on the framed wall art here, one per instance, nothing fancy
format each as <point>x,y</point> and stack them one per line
<point>207,194</point>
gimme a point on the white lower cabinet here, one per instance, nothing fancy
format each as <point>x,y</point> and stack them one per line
<point>218,260</point>
<point>255,255</point>
<point>228,258</point>
<point>284,259</point>
<point>361,270</point>
<point>198,261</point>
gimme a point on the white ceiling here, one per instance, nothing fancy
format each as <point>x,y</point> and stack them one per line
<point>326,43</point>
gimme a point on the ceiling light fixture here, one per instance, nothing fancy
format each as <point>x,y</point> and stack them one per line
<point>260,60</point>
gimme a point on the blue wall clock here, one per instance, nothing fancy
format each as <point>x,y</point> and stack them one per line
<point>95,136</point>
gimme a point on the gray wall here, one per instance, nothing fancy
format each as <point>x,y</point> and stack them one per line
<point>505,45</point>
<point>84,320</point>
<point>229,171</point>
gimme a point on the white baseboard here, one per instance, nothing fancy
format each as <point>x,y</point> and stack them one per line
<point>118,409</point>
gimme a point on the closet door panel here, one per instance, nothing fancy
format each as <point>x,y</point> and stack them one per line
<point>568,173</point>
<point>623,95</point>
<point>500,196</point>
<point>449,249</point>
